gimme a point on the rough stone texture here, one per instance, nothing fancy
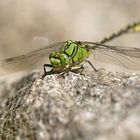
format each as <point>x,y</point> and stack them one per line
<point>95,106</point>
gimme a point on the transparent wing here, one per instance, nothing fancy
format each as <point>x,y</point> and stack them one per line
<point>30,60</point>
<point>122,56</point>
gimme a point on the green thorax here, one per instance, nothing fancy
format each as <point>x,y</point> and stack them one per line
<point>71,54</point>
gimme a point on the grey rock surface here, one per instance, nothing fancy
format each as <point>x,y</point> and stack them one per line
<point>95,106</point>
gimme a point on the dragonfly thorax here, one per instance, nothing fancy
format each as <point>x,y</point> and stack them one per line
<point>76,51</point>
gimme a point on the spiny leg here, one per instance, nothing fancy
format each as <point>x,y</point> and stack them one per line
<point>53,71</point>
<point>91,65</point>
<point>77,69</point>
<point>47,72</point>
<point>82,68</point>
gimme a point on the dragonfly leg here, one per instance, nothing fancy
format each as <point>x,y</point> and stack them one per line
<point>91,65</point>
<point>77,69</point>
<point>82,68</point>
<point>47,72</point>
<point>53,70</point>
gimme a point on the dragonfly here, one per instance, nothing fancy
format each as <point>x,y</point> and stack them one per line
<point>70,55</point>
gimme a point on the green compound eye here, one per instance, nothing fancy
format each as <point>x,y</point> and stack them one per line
<point>64,59</point>
<point>54,59</point>
<point>55,62</point>
<point>53,55</point>
<point>58,59</point>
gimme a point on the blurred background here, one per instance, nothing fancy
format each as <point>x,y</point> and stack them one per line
<point>30,24</point>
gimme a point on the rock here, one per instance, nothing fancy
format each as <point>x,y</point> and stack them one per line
<point>100,105</point>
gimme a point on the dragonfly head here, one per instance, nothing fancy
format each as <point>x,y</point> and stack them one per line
<point>58,60</point>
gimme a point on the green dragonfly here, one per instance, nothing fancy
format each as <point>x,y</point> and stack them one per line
<point>70,55</point>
